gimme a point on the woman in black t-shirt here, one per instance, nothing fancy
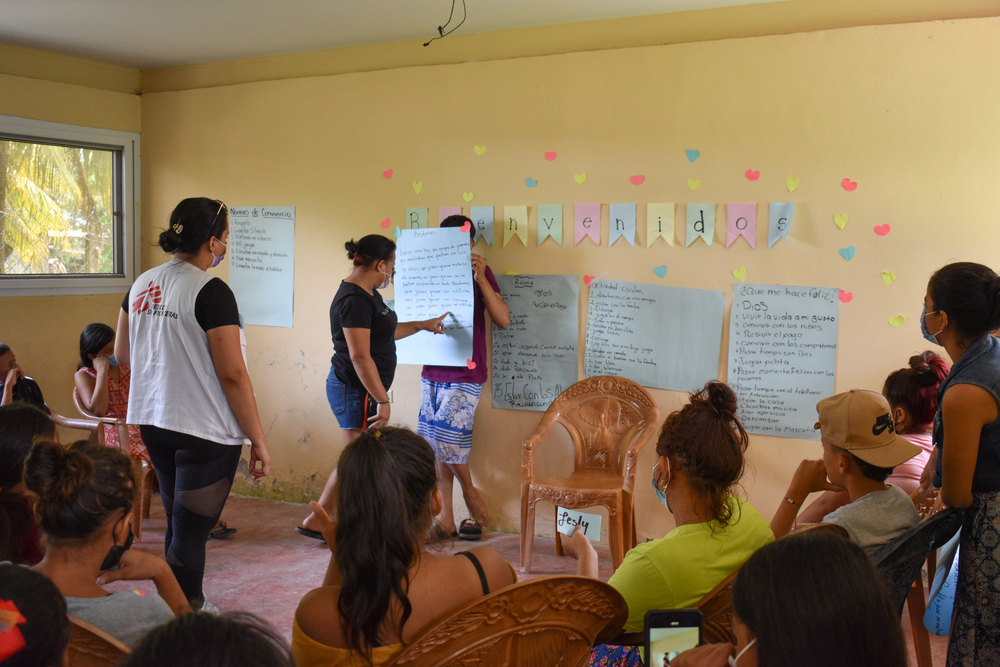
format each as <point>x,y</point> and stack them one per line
<point>364,332</point>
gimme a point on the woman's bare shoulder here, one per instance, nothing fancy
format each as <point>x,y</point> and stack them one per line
<point>317,616</point>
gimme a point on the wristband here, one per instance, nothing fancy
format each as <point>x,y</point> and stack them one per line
<point>790,501</point>
<point>382,402</point>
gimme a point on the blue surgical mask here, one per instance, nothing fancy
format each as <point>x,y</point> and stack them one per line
<point>932,338</point>
<point>661,494</point>
<point>112,361</point>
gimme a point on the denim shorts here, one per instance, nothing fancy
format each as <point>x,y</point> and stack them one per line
<point>347,402</point>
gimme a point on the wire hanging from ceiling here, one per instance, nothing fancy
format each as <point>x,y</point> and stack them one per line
<point>441,32</point>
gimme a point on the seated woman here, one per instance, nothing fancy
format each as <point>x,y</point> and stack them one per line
<point>84,505</point>
<point>701,459</point>
<point>16,386</point>
<point>34,628</point>
<point>20,425</point>
<point>386,588</point>
<point>808,599</point>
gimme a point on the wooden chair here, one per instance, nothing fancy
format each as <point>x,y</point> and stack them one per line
<point>89,646</point>
<point>609,419</point>
<point>140,468</point>
<point>543,622</point>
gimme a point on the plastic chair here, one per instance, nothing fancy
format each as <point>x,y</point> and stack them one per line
<point>140,468</point>
<point>89,646</point>
<point>540,622</point>
<point>916,599</point>
<point>609,419</point>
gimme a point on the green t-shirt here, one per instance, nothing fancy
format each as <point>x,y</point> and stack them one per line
<point>679,569</point>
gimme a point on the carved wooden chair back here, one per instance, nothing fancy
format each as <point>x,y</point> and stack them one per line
<point>89,646</point>
<point>717,613</point>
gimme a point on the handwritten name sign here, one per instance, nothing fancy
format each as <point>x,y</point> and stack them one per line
<point>568,520</point>
<point>262,263</point>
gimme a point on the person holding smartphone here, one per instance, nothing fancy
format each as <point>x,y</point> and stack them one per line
<point>364,331</point>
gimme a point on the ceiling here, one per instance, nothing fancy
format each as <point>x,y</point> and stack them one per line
<point>147,34</point>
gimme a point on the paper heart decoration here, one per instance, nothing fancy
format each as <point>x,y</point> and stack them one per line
<point>752,175</point>
<point>385,223</point>
<point>479,149</point>
<point>418,186</point>
<point>587,279</point>
<point>580,178</point>
<point>550,155</point>
<point>660,271</point>
<point>847,253</point>
<point>467,226</point>
<point>471,364</point>
<point>530,182</point>
<point>511,272</point>
<point>387,173</point>
<point>849,185</point>
<point>791,183</point>
<point>694,184</point>
<point>846,296</point>
<point>840,220</point>
<point>692,155</point>
<point>637,180</point>
<point>882,230</point>
<point>397,232</point>
<point>467,196</point>
<point>897,320</point>
<point>740,273</point>
<point>888,277</point>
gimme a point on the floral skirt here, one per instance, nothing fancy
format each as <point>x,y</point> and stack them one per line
<point>447,410</point>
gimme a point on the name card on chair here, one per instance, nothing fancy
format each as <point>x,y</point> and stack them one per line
<point>568,520</point>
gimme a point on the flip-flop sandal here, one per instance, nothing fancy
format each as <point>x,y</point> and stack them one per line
<point>305,532</point>
<point>221,531</point>
<point>439,534</point>
<point>470,530</point>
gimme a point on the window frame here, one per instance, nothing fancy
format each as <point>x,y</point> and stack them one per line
<point>128,239</point>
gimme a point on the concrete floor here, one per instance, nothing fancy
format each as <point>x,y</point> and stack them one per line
<point>266,567</point>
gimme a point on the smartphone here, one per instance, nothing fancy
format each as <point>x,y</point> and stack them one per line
<point>669,632</point>
<point>371,407</point>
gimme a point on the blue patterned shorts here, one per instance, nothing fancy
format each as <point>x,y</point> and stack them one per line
<point>447,410</point>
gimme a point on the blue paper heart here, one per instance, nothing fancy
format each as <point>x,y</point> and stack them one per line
<point>530,182</point>
<point>398,232</point>
<point>847,253</point>
<point>692,155</point>
<point>661,271</point>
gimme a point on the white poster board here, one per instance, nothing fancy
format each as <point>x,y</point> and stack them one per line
<point>262,263</point>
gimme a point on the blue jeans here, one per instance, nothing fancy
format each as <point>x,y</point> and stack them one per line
<point>347,403</point>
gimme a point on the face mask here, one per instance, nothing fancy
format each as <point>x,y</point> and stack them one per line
<point>388,279</point>
<point>932,338</point>
<point>116,552</point>
<point>112,361</point>
<point>661,494</point>
<point>217,259</point>
<point>732,660</point>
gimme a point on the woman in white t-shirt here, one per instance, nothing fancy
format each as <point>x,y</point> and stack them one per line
<point>191,394</point>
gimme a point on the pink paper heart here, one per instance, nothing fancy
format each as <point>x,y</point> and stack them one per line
<point>752,175</point>
<point>466,227</point>
<point>882,230</point>
<point>385,223</point>
<point>550,155</point>
<point>846,296</point>
<point>471,364</point>
<point>587,279</point>
<point>637,180</point>
<point>387,173</point>
<point>849,185</point>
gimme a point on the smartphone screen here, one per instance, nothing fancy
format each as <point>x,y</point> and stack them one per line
<point>670,632</point>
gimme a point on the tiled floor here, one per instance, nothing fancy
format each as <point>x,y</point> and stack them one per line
<point>265,567</point>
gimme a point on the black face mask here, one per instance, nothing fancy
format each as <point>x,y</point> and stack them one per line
<point>116,552</point>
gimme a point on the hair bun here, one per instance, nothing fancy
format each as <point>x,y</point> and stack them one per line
<point>56,474</point>
<point>722,398</point>
<point>352,249</point>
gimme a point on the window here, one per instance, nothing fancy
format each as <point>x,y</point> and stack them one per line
<point>69,220</point>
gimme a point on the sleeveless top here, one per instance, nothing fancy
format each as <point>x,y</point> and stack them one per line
<point>118,409</point>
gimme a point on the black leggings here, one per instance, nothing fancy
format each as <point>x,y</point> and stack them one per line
<point>195,477</point>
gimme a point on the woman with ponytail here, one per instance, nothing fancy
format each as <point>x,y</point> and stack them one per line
<point>385,588</point>
<point>961,309</point>
<point>83,502</point>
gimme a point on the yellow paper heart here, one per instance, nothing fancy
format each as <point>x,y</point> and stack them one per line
<point>792,183</point>
<point>467,196</point>
<point>740,273</point>
<point>888,277</point>
<point>479,149</point>
<point>840,220</point>
<point>694,184</point>
<point>418,186</point>
<point>511,272</point>
<point>580,178</point>
<point>897,320</point>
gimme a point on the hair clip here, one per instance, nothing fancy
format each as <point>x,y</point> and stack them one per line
<point>11,639</point>
<point>177,227</point>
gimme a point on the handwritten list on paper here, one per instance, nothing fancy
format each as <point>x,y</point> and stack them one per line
<point>262,263</point>
<point>434,276</point>
<point>782,356</point>
<point>535,358</point>
<point>656,335</point>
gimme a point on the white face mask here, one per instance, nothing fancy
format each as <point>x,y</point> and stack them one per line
<point>388,278</point>
<point>733,661</point>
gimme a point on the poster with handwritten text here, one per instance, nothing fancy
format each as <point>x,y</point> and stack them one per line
<point>434,276</point>
<point>535,358</point>
<point>262,263</point>
<point>656,335</point>
<point>782,356</point>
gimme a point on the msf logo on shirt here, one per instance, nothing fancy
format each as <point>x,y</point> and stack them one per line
<point>146,298</point>
<point>882,423</point>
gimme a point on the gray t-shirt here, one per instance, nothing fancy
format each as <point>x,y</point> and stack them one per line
<point>876,518</point>
<point>126,615</point>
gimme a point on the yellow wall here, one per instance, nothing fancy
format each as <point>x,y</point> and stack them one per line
<point>906,110</point>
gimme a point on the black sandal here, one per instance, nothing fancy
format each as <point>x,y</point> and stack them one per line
<point>305,532</point>
<point>221,531</point>
<point>471,530</point>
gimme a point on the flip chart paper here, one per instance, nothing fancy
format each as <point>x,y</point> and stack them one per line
<point>416,218</point>
<point>621,223</point>
<point>779,221</point>
<point>515,223</point>
<point>535,358</point>
<point>567,520</point>
<point>262,263</point>
<point>588,222</point>
<point>657,335</point>
<point>659,223</point>
<point>482,221</point>
<point>434,276</point>
<point>445,211</point>
<point>700,223</point>
<point>741,220</point>
<point>782,356</point>
<point>550,222</point>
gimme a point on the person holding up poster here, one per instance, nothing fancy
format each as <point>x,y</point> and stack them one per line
<point>364,331</point>
<point>448,399</point>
